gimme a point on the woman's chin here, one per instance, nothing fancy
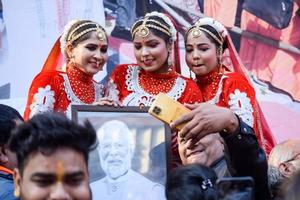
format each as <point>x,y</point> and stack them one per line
<point>199,71</point>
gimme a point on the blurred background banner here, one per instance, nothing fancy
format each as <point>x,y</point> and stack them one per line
<point>28,29</point>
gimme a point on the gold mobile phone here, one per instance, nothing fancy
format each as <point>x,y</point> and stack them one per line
<point>167,110</point>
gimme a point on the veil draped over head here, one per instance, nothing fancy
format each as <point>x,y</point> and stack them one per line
<point>235,64</point>
<point>54,59</point>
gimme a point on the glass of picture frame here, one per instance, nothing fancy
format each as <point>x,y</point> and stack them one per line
<point>152,138</point>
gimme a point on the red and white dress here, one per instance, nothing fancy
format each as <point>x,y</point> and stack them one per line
<point>232,90</point>
<point>137,87</point>
<point>56,90</point>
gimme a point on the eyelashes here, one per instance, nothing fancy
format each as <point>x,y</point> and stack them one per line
<point>103,49</point>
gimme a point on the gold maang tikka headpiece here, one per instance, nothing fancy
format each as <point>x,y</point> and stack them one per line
<point>100,33</point>
<point>91,27</point>
<point>196,32</point>
<point>143,29</point>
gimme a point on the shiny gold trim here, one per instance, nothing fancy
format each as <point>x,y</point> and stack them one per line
<point>143,29</point>
<point>99,31</point>
<point>196,32</point>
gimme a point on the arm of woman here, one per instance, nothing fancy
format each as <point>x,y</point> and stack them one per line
<point>114,87</point>
<point>192,94</point>
<point>42,95</point>
<point>239,96</point>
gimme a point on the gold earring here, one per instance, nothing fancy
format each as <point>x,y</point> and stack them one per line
<point>17,192</point>
<point>170,62</point>
<point>72,60</point>
<point>220,54</point>
<point>191,74</point>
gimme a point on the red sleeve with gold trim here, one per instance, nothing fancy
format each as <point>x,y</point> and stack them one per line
<point>239,96</point>
<point>43,93</point>
<point>118,77</point>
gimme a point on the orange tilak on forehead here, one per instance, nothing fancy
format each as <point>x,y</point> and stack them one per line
<point>59,168</point>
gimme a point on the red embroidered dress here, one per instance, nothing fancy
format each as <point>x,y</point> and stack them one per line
<point>136,87</point>
<point>57,90</point>
<point>232,90</point>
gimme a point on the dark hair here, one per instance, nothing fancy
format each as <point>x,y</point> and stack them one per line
<point>46,133</point>
<point>8,117</point>
<point>156,32</point>
<point>190,182</point>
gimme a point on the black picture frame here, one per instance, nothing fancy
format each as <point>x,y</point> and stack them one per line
<point>152,157</point>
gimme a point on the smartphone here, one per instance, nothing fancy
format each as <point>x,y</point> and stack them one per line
<point>167,110</point>
<point>235,188</point>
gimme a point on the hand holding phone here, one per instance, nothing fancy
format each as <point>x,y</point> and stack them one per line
<point>166,109</point>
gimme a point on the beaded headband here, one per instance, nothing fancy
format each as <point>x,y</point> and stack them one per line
<point>143,29</point>
<point>196,32</point>
<point>86,28</point>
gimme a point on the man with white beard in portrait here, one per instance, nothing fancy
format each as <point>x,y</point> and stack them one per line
<point>116,149</point>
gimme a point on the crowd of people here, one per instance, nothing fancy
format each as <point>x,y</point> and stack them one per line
<point>224,134</point>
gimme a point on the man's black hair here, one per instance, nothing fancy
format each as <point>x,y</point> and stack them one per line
<point>45,133</point>
<point>8,118</point>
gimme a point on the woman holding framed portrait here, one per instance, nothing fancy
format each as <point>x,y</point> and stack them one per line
<point>138,84</point>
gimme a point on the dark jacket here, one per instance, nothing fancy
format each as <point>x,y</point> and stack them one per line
<point>244,157</point>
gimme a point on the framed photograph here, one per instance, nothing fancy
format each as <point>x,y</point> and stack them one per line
<point>146,151</point>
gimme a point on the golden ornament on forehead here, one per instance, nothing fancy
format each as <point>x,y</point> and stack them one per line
<point>143,29</point>
<point>196,32</point>
<point>100,33</point>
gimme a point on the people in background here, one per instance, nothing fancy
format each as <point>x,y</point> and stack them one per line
<point>284,161</point>
<point>224,142</point>
<point>9,119</point>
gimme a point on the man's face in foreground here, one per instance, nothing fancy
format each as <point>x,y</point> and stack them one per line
<point>62,174</point>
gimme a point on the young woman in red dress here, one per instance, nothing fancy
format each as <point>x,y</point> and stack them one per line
<point>83,44</point>
<point>138,84</point>
<point>154,72</point>
<point>205,43</point>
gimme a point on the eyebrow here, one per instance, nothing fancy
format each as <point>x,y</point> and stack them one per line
<point>53,175</point>
<point>74,174</point>
<point>93,44</point>
<point>201,44</point>
<point>43,175</point>
<point>149,41</point>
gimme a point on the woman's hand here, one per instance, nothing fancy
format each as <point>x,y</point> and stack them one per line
<point>205,119</point>
<point>106,101</point>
